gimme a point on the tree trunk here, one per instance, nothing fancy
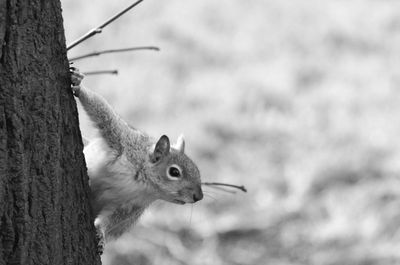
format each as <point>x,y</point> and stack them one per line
<point>45,216</point>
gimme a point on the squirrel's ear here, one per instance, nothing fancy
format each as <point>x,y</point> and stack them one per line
<point>161,149</point>
<point>180,144</point>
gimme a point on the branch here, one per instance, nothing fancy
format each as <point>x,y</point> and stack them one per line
<point>222,188</point>
<point>112,72</point>
<point>98,29</point>
<point>242,188</point>
<point>97,53</point>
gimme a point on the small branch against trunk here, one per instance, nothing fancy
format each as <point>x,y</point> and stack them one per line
<point>97,53</point>
<point>112,72</point>
<point>99,29</point>
<point>242,188</point>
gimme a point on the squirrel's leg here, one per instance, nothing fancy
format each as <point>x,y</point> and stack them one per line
<point>111,126</point>
<point>100,241</point>
<point>121,220</point>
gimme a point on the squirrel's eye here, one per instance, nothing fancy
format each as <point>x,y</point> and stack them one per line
<point>174,172</point>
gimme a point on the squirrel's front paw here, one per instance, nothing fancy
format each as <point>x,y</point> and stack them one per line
<point>100,242</point>
<point>76,79</point>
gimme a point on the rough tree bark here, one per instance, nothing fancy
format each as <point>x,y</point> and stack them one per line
<point>45,216</point>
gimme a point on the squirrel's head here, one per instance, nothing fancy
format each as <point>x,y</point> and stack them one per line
<point>176,177</point>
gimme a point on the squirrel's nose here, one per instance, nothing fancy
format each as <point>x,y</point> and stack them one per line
<point>198,194</point>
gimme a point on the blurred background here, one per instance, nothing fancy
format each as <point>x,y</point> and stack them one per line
<point>296,100</point>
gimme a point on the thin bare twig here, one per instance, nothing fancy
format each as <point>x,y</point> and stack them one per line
<point>97,53</point>
<point>99,29</point>
<point>222,189</point>
<point>112,72</point>
<point>242,188</point>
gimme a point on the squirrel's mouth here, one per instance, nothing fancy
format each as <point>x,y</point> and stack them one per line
<point>178,202</point>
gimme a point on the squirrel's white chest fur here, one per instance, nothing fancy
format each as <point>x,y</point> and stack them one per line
<point>114,180</point>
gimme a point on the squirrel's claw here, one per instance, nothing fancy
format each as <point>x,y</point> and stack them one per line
<point>76,79</point>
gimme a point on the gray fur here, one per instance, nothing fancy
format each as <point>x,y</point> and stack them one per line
<point>126,173</point>
<point>121,221</point>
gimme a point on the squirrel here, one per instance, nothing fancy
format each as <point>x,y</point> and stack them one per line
<point>128,170</point>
